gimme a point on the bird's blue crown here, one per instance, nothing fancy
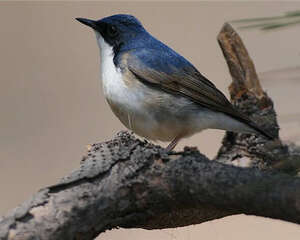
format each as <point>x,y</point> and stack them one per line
<point>123,20</point>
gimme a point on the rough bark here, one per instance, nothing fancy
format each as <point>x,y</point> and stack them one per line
<point>130,183</point>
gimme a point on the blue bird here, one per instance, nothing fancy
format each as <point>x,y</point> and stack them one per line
<point>154,91</point>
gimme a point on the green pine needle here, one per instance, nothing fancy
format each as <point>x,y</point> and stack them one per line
<point>270,23</point>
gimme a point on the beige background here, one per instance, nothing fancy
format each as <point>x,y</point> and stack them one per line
<point>52,105</point>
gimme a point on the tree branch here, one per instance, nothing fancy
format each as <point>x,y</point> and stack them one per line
<point>129,183</point>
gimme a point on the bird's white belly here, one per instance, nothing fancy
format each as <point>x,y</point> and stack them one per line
<point>132,108</point>
<point>129,104</point>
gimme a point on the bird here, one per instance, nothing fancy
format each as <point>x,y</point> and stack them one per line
<point>154,91</point>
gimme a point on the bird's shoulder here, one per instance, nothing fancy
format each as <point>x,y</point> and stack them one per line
<point>159,57</point>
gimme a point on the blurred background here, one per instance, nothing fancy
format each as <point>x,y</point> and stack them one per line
<point>52,104</point>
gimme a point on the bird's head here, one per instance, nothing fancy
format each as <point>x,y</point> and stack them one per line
<point>115,30</point>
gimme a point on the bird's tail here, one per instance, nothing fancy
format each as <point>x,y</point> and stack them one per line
<point>238,122</point>
<point>260,130</point>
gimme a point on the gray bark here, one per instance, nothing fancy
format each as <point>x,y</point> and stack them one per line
<point>131,183</point>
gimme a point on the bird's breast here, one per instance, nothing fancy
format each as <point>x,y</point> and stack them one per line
<point>125,95</point>
<point>119,89</point>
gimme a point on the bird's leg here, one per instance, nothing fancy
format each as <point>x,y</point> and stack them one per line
<point>173,144</point>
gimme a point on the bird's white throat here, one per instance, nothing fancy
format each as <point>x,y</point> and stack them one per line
<point>111,76</point>
<point>114,87</point>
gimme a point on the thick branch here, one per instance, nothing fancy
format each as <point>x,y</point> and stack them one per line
<point>130,183</point>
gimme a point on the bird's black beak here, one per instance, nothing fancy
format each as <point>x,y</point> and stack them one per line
<point>88,22</point>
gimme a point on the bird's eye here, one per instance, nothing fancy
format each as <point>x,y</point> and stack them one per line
<point>112,31</point>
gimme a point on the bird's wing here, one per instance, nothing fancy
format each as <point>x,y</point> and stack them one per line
<point>172,73</point>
